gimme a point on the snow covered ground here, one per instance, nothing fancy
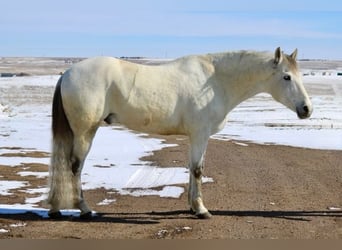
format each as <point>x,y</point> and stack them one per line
<point>114,161</point>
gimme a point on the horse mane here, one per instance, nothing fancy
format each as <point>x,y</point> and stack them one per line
<point>247,59</point>
<point>242,57</point>
<point>242,65</point>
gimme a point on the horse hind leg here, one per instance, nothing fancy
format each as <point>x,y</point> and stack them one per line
<point>80,203</point>
<point>81,148</point>
<point>67,184</point>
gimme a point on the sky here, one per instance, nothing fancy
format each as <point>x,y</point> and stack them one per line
<point>169,28</point>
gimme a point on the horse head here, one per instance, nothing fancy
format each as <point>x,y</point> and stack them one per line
<point>287,86</point>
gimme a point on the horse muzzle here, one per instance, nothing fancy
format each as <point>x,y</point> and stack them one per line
<point>304,111</point>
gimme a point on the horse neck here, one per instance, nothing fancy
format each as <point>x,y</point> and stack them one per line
<point>242,74</point>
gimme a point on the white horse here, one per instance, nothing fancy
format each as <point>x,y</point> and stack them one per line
<point>190,96</point>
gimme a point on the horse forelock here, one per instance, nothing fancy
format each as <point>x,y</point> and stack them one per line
<point>292,63</point>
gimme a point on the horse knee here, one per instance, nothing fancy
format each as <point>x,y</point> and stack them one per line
<point>197,172</point>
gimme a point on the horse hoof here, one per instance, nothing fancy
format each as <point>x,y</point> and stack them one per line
<point>55,215</point>
<point>86,216</point>
<point>204,216</point>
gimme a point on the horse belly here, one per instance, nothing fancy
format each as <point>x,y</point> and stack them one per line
<point>146,108</point>
<point>151,123</point>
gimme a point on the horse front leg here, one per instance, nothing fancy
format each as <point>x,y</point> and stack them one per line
<point>196,166</point>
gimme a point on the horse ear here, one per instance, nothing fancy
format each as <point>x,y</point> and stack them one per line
<point>294,54</point>
<point>278,56</point>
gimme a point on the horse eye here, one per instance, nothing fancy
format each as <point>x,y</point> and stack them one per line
<point>287,78</point>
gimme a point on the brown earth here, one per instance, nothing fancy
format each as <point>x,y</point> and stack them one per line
<point>273,192</point>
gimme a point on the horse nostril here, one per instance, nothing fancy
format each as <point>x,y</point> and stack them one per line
<point>303,111</point>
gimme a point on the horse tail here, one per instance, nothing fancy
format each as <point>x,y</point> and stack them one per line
<point>61,193</point>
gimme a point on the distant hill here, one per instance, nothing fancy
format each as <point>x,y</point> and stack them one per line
<point>21,66</point>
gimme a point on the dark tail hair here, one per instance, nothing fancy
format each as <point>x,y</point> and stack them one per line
<point>61,193</point>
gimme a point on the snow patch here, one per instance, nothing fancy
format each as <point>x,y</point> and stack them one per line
<point>6,186</point>
<point>106,202</point>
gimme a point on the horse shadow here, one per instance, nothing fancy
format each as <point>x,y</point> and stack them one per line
<point>299,215</point>
<point>155,217</point>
